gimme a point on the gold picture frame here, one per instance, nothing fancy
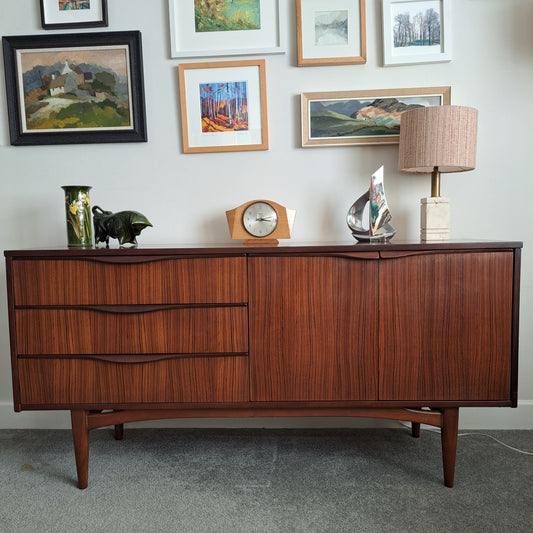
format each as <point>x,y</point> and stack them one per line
<point>223,106</point>
<point>331,33</point>
<point>362,117</point>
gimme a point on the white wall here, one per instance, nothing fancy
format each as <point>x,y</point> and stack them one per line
<point>185,196</point>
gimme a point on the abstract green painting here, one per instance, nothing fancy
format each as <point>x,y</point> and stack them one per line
<point>226,15</point>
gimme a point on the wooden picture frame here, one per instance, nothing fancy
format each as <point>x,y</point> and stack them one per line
<point>331,32</point>
<point>70,14</point>
<point>223,106</point>
<point>416,31</point>
<point>262,32</point>
<point>328,117</point>
<point>75,88</point>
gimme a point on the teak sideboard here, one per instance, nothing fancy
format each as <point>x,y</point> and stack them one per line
<point>402,331</point>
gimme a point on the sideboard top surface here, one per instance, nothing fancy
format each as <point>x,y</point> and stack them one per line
<point>282,248</point>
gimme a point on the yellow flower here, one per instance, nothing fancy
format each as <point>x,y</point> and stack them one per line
<point>73,208</point>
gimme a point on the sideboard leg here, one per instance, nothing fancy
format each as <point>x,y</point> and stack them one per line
<point>450,423</point>
<point>80,433</point>
<point>119,431</point>
<point>415,429</point>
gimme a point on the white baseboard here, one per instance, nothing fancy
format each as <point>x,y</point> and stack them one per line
<point>469,418</point>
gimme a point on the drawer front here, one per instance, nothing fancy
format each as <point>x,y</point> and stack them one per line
<point>197,330</point>
<point>78,381</point>
<point>161,281</point>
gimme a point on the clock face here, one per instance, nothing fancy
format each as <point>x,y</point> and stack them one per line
<point>260,219</point>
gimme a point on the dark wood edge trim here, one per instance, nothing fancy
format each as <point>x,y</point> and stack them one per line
<point>239,250</point>
<point>133,358</point>
<point>515,327</point>
<point>304,409</point>
<point>12,334</point>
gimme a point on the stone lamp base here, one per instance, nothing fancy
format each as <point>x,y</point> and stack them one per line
<point>435,219</point>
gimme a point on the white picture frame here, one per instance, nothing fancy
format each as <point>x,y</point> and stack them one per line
<point>186,41</point>
<point>64,14</point>
<point>204,128</point>
<point>418,20</point>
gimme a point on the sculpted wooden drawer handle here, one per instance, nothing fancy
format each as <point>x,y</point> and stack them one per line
<point>137,359</point>
<point>135,259</point>
<point>138,309</point>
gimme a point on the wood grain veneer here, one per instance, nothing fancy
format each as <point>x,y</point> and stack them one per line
<point>84,331</point>
<point>69,382</point>
<point>445,326</point>
<point>91,281</point>
<point>313,328</point>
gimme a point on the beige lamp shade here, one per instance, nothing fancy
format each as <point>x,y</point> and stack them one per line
<point>442,136</point>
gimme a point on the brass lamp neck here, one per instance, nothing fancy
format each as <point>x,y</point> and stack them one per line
<point>435,183</point>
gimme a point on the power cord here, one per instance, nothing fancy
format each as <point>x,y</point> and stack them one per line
<point>474,433</point>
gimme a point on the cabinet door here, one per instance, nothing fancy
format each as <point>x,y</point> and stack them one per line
<point>313,328</point>
<point>446,326</point>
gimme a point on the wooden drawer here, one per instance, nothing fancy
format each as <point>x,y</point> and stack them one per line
<point>99,281</point>
<point>47,381</point>
<point>191,330</point>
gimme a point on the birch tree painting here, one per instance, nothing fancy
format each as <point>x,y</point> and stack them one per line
<point>417,28</point>
<point>224,106</point>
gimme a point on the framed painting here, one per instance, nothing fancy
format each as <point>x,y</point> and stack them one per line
<point>223,106</point>
<point>416,31</point>
<point>71,89</point>
<point>203,28</point>
<point>331,32</point>
<point>68,14</point>
<point>362,117</point>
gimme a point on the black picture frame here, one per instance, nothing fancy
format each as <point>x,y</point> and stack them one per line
<point>18,103</point>
<point>46,18</point>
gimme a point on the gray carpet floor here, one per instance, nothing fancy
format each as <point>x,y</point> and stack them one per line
<point>264,481</point>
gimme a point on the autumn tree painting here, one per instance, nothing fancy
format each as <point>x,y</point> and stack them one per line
<point>417,29</point>
<point>226,15</point>
<point>224,106</point>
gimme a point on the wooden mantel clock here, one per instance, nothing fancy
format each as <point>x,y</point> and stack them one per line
<point>260,222</point>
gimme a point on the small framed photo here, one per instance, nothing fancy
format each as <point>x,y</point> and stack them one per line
<point>203,28</point>
<point>331,32</point>
<point>223,106</point>
<point>75,88</point>
<point>362,117</point>
<point>416,31</point>
<point>69,14</point>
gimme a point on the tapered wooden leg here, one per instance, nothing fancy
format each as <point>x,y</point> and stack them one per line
<point>415,429</point>
<point>119,431</point>
<point>450,424</point>
<point>80,433</point>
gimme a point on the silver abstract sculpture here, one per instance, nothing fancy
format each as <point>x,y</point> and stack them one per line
<point>379,215</point>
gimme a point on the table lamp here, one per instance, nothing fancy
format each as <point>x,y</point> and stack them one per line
<point>434,140</point>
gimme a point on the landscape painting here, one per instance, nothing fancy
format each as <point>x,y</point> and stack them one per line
<point>227,15</point>
<point>67,5</point>
<point>331,28</point>
<point>361,117</point>
<point>224,106</point>
<point>417,24</point>
<point>75,88</point>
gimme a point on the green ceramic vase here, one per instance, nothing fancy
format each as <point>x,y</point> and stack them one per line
<point>78,211</point>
